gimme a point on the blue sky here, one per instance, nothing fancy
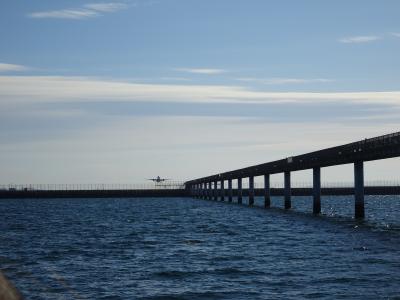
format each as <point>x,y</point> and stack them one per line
<point>117,91</point>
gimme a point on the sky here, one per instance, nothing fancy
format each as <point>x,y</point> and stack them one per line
<point>120,91</point>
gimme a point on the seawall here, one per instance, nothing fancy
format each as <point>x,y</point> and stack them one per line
<point>20,194</point>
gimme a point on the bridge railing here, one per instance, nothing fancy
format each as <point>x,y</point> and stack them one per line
<point>171,185</point>
<point>306,184</point>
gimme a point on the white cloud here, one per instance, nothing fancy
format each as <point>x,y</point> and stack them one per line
<point>278,81</point>
<point>175,79</point>
<point>359,39</point>
<point>65,14</point>
<point>84,12</point>
<point>106,7</point>
<point>204,71</point>
<point>396,34</point>
<point>58,89</point>
<point>12,68</point>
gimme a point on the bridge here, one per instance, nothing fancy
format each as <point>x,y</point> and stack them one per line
<point>381,147</point>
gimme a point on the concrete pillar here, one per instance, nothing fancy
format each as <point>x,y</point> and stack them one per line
<point>209,191</point>
<point>222,190</point>
<point>359,190</point>
<point>288,201</point>
<point>251,190</point>
<point>316,190</point>
<point>215,190</point>
<point>240,191</point>
<point>267,191</point>
<point>230,192</point>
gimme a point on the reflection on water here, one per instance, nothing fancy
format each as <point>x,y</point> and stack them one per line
<point>180,248</point>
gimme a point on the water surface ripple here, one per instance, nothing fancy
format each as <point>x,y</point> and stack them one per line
<point>178,248</point>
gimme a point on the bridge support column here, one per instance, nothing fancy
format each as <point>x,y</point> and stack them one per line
<point>251,190</point>
<point>240,191</point>
<point>215,190</point>
<point>316,190</point>
<point>267,191</point>
<point>202,190</point>
<point>222,190</point>
<point>359,189</point>
<point>230,192</point>
<point>288,193</point>
<point>209,191</point>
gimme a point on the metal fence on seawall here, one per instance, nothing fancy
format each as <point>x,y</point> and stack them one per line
<point>170,185</point>
<point>175,185</point>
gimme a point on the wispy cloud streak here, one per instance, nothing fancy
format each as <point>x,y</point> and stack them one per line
<point>280,81</point>
<point>12,68</point>
<point>106,7</point>
<point>359,39</point>
<point>205,71</point>
<point>47,89</point>
<point>84,12</point>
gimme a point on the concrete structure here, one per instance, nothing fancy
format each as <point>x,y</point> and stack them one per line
<point>240,191</point>
<point>288,192</point>
<point>381,147</point>
<point>215,190</point>
<point>316,190</point>
<point>359,189</point>
<point>230,191</point>
<point>251,191</point>
<point>222,190</point>
<point>267,191</point>
<point>159,193</point>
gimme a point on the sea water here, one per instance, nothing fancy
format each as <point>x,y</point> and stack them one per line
<point>183,248</point>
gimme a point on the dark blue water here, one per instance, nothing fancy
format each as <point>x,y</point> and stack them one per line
<point>195,249</point>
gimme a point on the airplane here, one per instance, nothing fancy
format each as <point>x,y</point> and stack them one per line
<point>158,179</point>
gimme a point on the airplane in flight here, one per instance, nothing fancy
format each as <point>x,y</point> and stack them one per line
<point>158,179</point>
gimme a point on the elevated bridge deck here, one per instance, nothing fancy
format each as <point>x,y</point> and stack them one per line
<point>381,147</point>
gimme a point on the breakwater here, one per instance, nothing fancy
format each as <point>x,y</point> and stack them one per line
<point>139,193</point>
<point>165,193</point>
